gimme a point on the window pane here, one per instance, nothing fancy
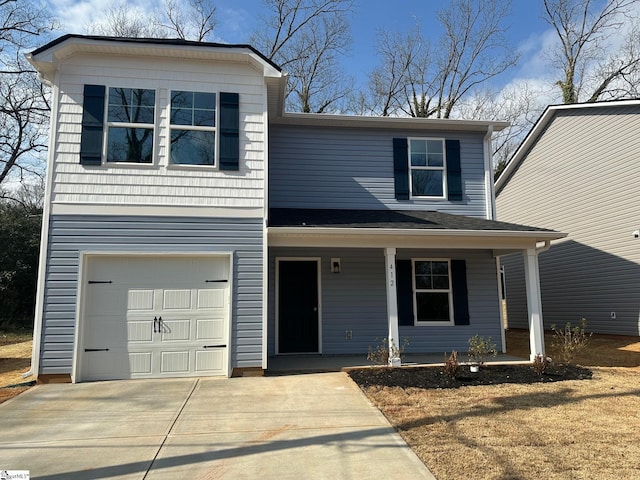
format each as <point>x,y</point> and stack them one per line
<point>418,146</point>
<point>434,146</point>
<point>423,268</point>
<point>423,282</point>
<point>130,145</point>
<point>427,183</point>
<point>131,105</point>
<point>441,282</point>
<point>190,147</point>
<point>182,99</point>
<point>432,307</point>
<point>204,100</point>
<point>204,118</point>
<point>440,268</point>
<point>435,160</point>
<point>193,108</point>
<point>181,117</point>
<point>418,159</point>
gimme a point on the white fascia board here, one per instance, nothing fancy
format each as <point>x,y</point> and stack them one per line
<point>443,124</point>
<point>407,238</point>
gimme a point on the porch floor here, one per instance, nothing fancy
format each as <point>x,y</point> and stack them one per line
<point>294,364</point>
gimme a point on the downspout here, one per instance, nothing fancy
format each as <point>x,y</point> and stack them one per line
<point>544,248</point>
<point>44,233</point>
<point>488,169</point>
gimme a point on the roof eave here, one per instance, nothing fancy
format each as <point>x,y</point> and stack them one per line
<point>322,119</point>
<point>496,241</point>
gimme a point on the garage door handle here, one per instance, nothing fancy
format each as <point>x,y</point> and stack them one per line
<point>96,349</point>
<point>215,346</point>
<point>155,321</point>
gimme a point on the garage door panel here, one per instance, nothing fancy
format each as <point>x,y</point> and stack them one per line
<point>140,363</point>
<point>209,361</point>
<point>140,331</point>
<point>140,300</point>
<point>176,299</point>
<point>210,329</point>
<point>176,330</point>
<point>175,362</point>
<point>211,298</point>
<point>167,315</point>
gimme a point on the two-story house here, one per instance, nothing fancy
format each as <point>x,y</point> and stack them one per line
<point>192,227</point>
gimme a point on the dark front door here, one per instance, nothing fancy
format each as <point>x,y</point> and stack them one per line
<point>298,306</point>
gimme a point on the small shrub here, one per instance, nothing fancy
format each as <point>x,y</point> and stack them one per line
<point>540,364</point>
<point>570,340</point>
<point>451,364</point>
<point>380,354</point>
<point>480,349</point>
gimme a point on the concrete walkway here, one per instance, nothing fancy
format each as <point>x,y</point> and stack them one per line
<point>288,427</point>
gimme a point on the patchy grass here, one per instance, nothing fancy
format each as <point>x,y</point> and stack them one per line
<point>15,359</point>
<point>560,430</point>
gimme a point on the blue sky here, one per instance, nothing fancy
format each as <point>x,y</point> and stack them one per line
<point>237,18</point>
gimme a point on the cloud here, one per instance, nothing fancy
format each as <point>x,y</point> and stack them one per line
<point>76,15</point>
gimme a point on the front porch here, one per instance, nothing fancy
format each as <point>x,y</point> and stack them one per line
<point>300,364</point>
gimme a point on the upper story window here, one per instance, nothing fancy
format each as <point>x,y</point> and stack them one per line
<point>427,167</point>
<point>433,299</point>
<point>130,123</point>
<point>193,128</point>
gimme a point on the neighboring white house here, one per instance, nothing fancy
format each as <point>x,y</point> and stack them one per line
<point>577,171</point>
<point>191,227</point>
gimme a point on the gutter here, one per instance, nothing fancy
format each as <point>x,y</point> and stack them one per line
<point>544,248</point>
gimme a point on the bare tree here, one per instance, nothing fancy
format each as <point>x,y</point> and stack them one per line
<point>24,110</point>
<point>592,64</point>
<point>403,57</point>
<point>306,38</point>
<point>196,22</point>
<point>192,20</point>
<point>430,82</point>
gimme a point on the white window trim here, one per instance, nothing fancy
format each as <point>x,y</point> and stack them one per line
<point>109,124</point>
<point>443,169</point>
<point>415,291</point>
<point>214,129</point>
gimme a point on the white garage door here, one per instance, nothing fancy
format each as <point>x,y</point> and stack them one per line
<point>147,317</point>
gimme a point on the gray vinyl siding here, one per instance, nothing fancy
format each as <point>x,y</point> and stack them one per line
<point>319,167</point>
<point>71,234</point>
<point>355,299</point>
<point>581,177</point>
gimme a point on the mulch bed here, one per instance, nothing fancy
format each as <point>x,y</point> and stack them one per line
<point>434,377</point>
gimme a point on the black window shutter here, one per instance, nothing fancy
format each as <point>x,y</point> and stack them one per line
<point>401,168</point>
<point>404,292</point>
<point>460,293</point>
<point>454,171</point>
<point>229,131</point>
<point>92,125</point>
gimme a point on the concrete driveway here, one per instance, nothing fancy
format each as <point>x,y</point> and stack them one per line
<point>289,427</point>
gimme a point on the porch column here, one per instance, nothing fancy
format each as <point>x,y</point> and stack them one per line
<point>392,304</point>
<point>534,303</point>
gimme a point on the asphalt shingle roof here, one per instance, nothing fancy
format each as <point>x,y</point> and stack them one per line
<point>387,219</point>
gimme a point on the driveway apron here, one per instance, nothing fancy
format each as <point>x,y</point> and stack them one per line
<point>289,427</point>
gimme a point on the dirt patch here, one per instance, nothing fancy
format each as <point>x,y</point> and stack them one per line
<point>15,359</point>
